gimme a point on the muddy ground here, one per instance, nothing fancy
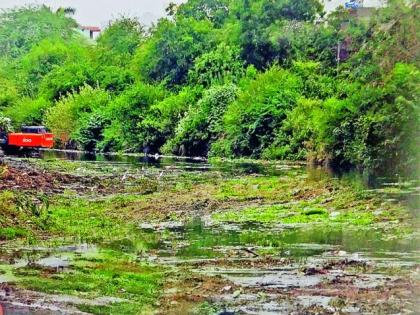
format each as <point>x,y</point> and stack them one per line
<point>182,237</point>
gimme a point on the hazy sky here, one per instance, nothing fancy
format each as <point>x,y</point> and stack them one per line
<point>99,12</point>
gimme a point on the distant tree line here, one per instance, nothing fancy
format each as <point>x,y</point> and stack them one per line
<point>223,78</point>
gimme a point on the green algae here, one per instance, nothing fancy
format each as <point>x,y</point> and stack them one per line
<point>11,233</point>
<point>290,214</point>
<point>292,198</point>
<point>133,286</point>
<point>85,219</point>
<point>299,199</point>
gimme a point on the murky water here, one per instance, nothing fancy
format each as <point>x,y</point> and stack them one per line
<point>265,261</point>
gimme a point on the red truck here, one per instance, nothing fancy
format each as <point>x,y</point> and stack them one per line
<point>30,138</point>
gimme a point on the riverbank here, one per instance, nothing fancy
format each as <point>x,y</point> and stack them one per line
<point>201,238</point>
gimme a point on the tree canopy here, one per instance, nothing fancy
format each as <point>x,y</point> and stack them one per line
<point>272,79</point>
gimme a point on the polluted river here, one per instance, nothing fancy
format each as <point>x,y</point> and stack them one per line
<point>150,235</point>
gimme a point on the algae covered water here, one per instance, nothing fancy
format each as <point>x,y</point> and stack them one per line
<point>146,235</point>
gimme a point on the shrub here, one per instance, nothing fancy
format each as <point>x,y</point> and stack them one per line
<point>162,118</point>
<point>170,53</point>
<point>126,113</point>
<point>27,111</point>
<point>386,132</point>
<point>251,122</point>
<point>201,125</point>
<point>8,93</point>
<point>68,78</point>
<point>219,66</point>
<point>114,79</point>
<point>5,124</point>
<point>23,28</point>
<point>64,119</point>
<point>90,131</point>
<point>49,55</point>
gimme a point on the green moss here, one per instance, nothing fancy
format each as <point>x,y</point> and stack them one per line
<point>254,214</point>
<point>137,285</point>
<point>302,212</point>
<point>248,188</point>
<point>303,218</point>
<point>85,219</point>
<point>117,308</point>
<point>357,218</point>
<point>11,233</point>
<point>59,165</point>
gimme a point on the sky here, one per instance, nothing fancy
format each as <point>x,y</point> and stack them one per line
<point>100,12</point>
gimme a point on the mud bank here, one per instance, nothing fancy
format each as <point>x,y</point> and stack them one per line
<point>187,237</point>
<point>20,176</point>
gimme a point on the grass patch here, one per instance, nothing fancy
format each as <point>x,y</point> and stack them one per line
<point>246,188</point>
<point>137,285</point>
<point>291,214</point>
<point>11,233</point>
<point>274,214</point>
<point>117,308</point>
<point>87,220</point>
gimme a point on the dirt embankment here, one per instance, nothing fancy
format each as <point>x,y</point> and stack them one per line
<point>27,176</point>
<point>19,176</point>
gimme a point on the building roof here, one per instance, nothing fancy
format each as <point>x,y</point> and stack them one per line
<point>90,28</point>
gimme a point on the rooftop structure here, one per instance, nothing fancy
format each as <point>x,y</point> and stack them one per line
<point>91,31</point>
<point>331,5</point>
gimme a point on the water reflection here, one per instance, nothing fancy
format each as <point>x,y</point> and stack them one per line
<point>200,241</point>
<point>186,164</point>
<point>396,188</point>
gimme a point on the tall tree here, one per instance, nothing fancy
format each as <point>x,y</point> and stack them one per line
<point>22,28</point>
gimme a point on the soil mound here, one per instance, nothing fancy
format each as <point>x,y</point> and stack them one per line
<point>22,177</point>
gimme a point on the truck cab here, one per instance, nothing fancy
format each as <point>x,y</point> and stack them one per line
<point>34,129</point>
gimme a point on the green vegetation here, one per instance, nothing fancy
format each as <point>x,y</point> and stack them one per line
<point>237,80</point>
<point>294,214</point>
<point>102,246</point>
<point>134,287</point>
<point>330,202</point>
<point>20,216</point>
<point>229,79</point>
<point>116,213</point>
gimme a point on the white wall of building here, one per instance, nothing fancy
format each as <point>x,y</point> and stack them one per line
<point>330,5</point>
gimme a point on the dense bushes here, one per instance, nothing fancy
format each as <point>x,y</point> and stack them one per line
<point>27,111</point>
<point>126,113</point>
<point>250,123</point>
<point>47,56</point>
<point>202,123</point>
<point>238,78</point>
<point>170,53</point>
<point>8,93</point>
<point>218,66</point>
<point>386,130</point>
<point>22,28</point>
<point>162,118</point>
<point>70,116</point>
